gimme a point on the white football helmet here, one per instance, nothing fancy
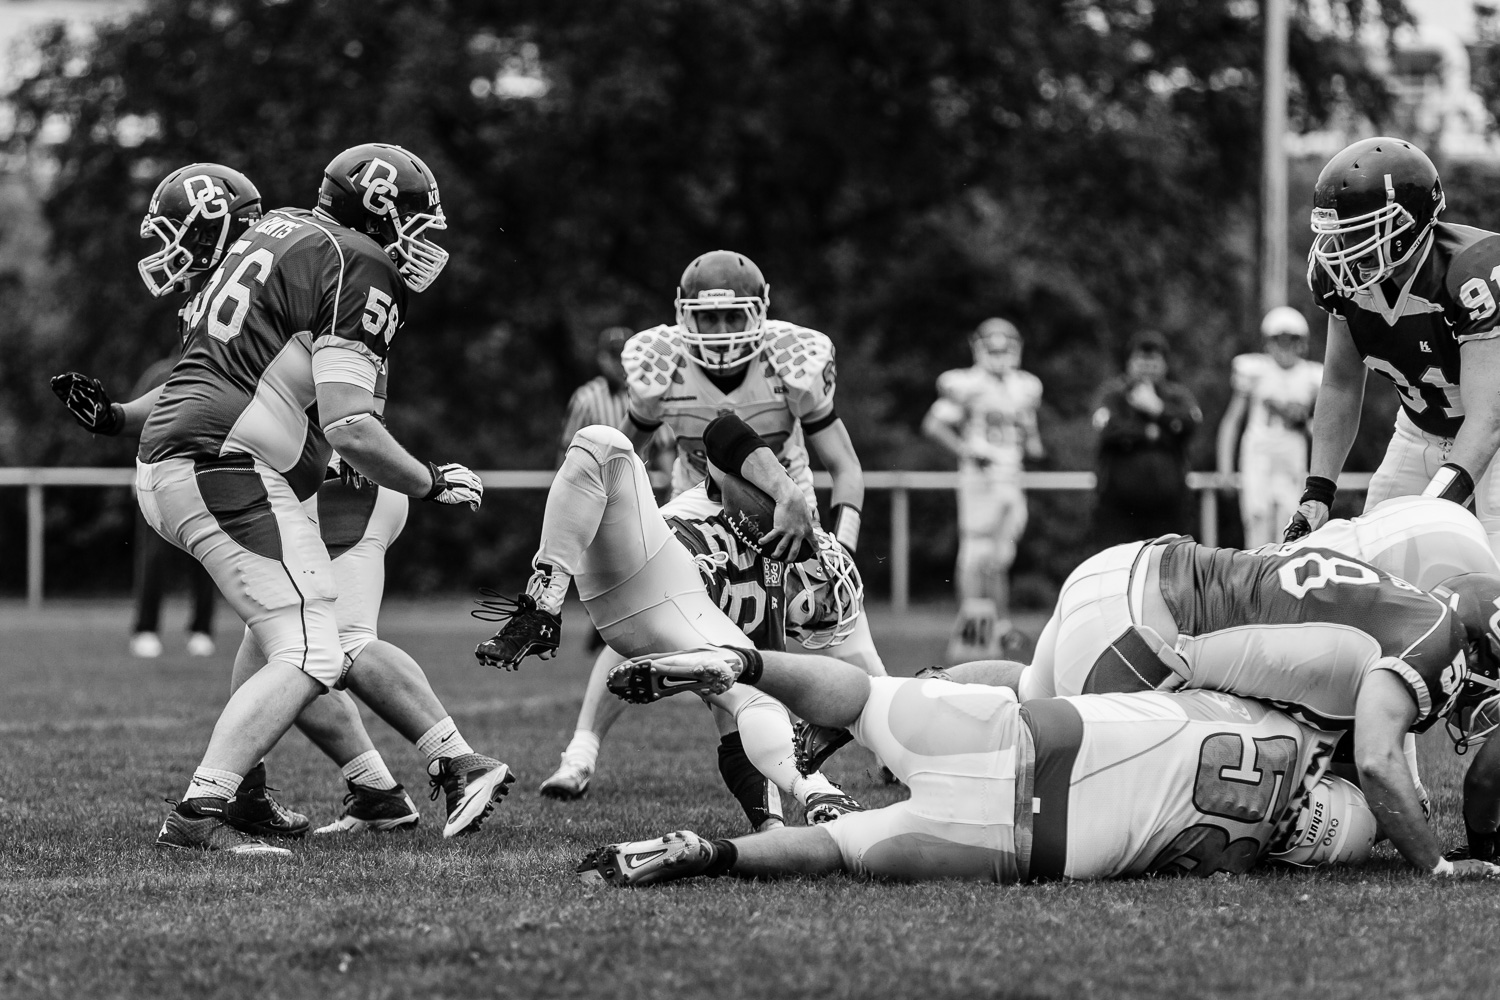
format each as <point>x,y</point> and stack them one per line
<point>1283,321</point>
<point>1336,827</point>
<point>825,595</point>
<point>997,346</point>
<point>721,308</point>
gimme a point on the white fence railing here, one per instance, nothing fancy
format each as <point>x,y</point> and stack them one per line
<point>899,484</point>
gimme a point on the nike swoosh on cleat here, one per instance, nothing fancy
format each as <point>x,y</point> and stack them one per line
<point>672,682</point>
<point>633,861</point>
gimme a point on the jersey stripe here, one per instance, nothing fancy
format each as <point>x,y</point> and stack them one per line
<point>1057,731</point>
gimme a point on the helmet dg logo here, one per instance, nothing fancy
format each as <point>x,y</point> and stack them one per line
<point>206,197</point>
<point>379,189</point>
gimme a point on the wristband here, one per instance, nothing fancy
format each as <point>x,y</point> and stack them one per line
<point>438,486</point>
<point>846,525</point>
<point>116,422</point>
<point>1319,490</point>
<point>1443,867</point>
<point>1452,482</point>
<point>754,664</point>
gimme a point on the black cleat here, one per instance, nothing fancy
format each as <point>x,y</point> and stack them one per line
<point>815,744</point>
<point>527,630</point>
<point>198,825</point>
<point>380,809</point>
<point>254,810</point>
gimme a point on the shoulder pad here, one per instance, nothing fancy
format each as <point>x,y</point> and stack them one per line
<point>1031,384</point>
<point>652,359</point>
<point>956,383</point>
<point>797,355</point>
<point>1476,260</point>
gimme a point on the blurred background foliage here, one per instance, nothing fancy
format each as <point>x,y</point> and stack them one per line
<point>900,169</point>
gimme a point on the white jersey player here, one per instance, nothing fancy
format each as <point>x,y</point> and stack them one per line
<point>986,415</point>
<point>641,572</point>
<point>1091,787</point>
<point>1273,398</point>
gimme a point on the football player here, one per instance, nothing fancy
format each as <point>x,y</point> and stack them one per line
<point>286,343</point>
<point>1273,399</point>
<point>641,574</point>
<point>1090,787</point>
<point>1331,639</point>
<point>724,356</point>
<point>986,415</point>
<point>1413,299</point>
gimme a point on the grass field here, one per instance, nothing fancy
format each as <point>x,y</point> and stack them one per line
<point>92,741</point>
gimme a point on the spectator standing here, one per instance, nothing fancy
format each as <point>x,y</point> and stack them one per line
<point>155,558</point>
<point>1145,423</point>
<point>1275,391</point>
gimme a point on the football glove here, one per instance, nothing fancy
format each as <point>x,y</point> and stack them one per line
<point>1312,511</point>
<point>454,484</point>
<point>90,405</point>
<point>348,474</point>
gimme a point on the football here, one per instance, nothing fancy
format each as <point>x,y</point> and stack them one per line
<point>751,512</point>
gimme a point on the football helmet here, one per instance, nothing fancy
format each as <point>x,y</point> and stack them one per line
<point>997,346</point>
<point>721,307</point>
<point>1373,206</point>
<point>1475,600</point>
<point>825,595</point>
<point>1283,321</point>
<point>1335,827</point>
<point>197,212</point>
<point>388,194</point>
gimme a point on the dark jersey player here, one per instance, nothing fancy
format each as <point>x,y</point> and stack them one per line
<point>1414,300</point>
<point>285,346</point>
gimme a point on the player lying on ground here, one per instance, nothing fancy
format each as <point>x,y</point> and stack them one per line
<point>196,213</point>
<point>1334,640</point>
<point>1096,786</point>
<point>723,355</point>
<point>640,573</point>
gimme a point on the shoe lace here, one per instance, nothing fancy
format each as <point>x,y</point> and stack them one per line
<point>710,565</point>
<point>496,607</point>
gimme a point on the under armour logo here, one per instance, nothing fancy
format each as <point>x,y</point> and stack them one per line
<point>1425,348</point>
<point>379,187</point>
<point>546,631</point>
<point>206,197</point>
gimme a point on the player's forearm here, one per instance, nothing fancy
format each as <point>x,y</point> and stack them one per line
<point>370,448</point>
<point>1477,440</point>
<point>1229,433</point>
<point>765,470</point>
<point>1334,430</point>
<point>1387,784</point>
<point>137,410</point>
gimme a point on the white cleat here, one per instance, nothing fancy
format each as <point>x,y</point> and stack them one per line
<point>677,855</point>
<point>145,645</point>
<point>568,782</point>
<point>651,678</point>
<point>200,644</point>
<point>471,784</point>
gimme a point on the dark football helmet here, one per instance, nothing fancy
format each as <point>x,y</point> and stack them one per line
<point>1475,600</point>
<point>388,194</point>
<point>197,212</point>
<point>1373,206</point>
<point>721,306</point>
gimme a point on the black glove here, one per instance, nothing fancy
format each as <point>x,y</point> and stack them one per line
<point>90,405</point>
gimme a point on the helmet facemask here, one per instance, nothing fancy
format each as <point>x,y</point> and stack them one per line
<point>1362,250</point>
<point>825,607</point>
<point>724,331</point>
<point>185,250</point>
<point>418,259</point>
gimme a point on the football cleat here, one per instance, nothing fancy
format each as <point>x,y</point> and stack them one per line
<point>815,744</point>
<point>528,630</point>
<point>570,781</point>
<point>825,807</point>
<point>200,644</point>
<point>198,825</point>
<point>145,645</point>
<point>677,855</point>
<point>473,783</point>
<point>255,811</point>
<point>377,809</point>
<point>651,678</point>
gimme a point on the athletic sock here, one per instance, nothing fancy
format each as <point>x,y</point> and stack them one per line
<point>548,586</point>
<point>369,771</point>
<point>209,783</point>
<point>442,740</point>
<point>583,749</point>
<point>812,784</point>
<point>725,854</point>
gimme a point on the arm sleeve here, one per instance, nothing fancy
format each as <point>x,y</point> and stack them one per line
<point>336,363</point>
<point>728,441</point>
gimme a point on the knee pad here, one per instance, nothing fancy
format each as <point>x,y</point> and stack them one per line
<point>602,442</point>
<point>757,796</point>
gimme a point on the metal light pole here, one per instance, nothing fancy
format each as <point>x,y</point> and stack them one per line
<point>1273,184</point>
